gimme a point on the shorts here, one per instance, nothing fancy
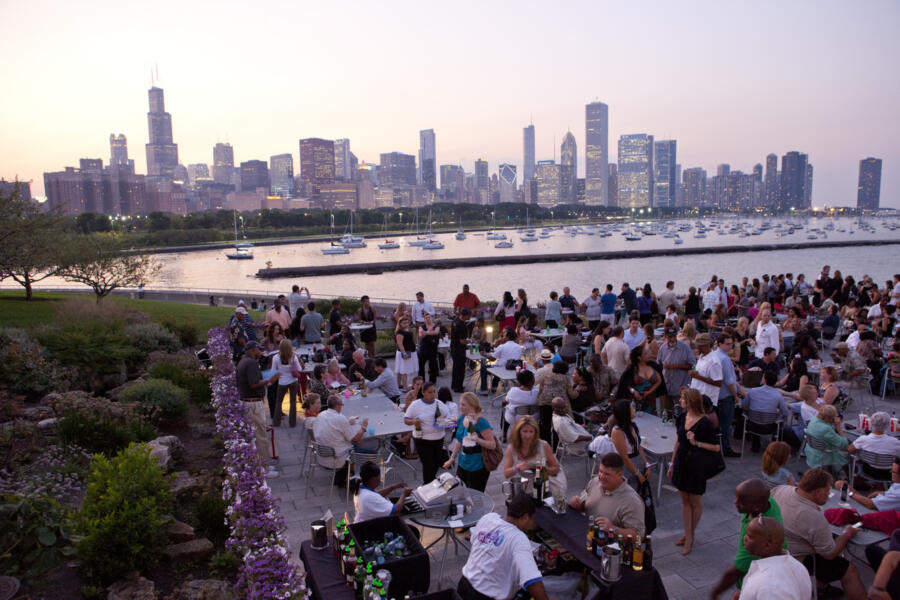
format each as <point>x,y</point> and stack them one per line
<point>827,569</point>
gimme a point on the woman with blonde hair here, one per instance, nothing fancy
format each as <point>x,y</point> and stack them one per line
<point>688,333</point>
<point>828,428</point>
<point>398,313</point>
<point>289,368</point>
<point>467,447</point>
<point>773,470</point>
<point>333,373</point>
<point>526,449</point>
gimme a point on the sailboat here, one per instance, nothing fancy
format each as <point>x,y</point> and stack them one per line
<point>334,248</point>
<point>348,240</point>
<point>503,244</point>
<point>530,235</point>
<point>242,251</point>
<point>492,235</point>
<point>460,235</point>
<point>387,244</point>
<point>432,243</point>
<point>420,240</point>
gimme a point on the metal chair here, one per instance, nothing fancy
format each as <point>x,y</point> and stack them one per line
<point>821,446</point>
<point>564,450</point>
<point>888,378</point>
<point>322,451</point>
<point>357,459</point>
<point>756,417</point>
<point>876,461</point>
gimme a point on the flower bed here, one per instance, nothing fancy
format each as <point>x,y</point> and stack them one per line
<point>257,528</point>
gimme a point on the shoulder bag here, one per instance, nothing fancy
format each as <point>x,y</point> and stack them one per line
<point>493,457</point>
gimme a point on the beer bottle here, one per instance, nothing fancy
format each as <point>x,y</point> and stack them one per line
<point>628,551</point>
<point>637,557</point>
<point>359,578</point>
<point>648,554</point>
<point>591,544</point>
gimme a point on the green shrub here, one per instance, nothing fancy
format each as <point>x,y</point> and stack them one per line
<point>171,400</point>
<point>33,535</point>
<point>188,331</point>
<point>98,425</point>
<point>195,382</point>
<point>224,564</point>
<point>349,306</point>
<point>121,518</point>
<point>210,520</point>
<point>26,372</point>
<point>151,337</point>
<point>94,347</point>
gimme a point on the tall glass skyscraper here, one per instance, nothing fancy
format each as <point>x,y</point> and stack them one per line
<point>793,181</point>
<point>343,164</point>
<point>281,175</point>
<point>162,152</point>
<point>568,153</point>
<point>596,142</point>
<point>529,164</point>
<point>664,175</point>
<point>507,180</point>
<point>427,174</point>
<point>635,177</point>
<point>223,163</point>
<point>868,193</point>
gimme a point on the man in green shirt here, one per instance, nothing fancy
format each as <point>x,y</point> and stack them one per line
<point>751,498</point>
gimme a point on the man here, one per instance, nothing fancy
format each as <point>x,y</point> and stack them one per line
<point>508,350</point>
<point>615,351</point>
<point>501,561</point>
<point>767,333</point>
<point>751,498</point>
<point>853,339</point>
<point>419,308</point>
<point>543,366</point>
<point>677,360</point>
<point>279,314</point>
<point>723,293</point>
<point>667,297</point>
<point>767,364</point>
<point>887,500</point>
<point>766,399</point>
<point>311,325</point>
<point>363,365</point>
<point>629,298</point>
<point>852,364</point>
<point>634,336</point>
<point>333,429</point>
<point>711,297</point>
<point>567,300</point>
<point>591,308</point>
<point>605,379</point>
<point>788,283</point>
<point>385,380</point>
<point>608,305</point>
<point>879,442</point>
<point>614,504</point>
<point>567,430</point>
<point>335,320</point>
<point>728,393</point>
<point>297,299</point>
<point>809,535</point>
<point>776,574</point>
<point>240,331</point>
<point>459,339</point>
<point>466,300</point>
<point>252,390</point>
<point>706,376</point>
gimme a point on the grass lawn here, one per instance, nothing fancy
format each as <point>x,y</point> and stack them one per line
<point>17,312</point>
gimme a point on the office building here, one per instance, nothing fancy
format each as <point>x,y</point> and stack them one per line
<point>612,185</point>
<point>792,193</point>
<point>340,195</point>
<point>807,186</point>
<point>694,184</point>
<point>118,152</point>
<point>396,168</point>
<point>482,179</point>
<point>665,179</point>
<point>162,152</point>
<point>114,190</point>
<point>198,173</point>
<point>507,182</point>
<point>758,198</point>
<point>281,175</point>
<point>254,175</point>
<point>427,173</point>
<point>868,192</point>
<point>548,176</point>
<point>453,183</point>
<point>679,188</point>
<point>596,142</point>
<point>22,189</point>
<point>223,163</point>
<point>316,163</point>
<point>568,159</point>
<point>771,187</point>
<point>528,164</point>
<point>343,163</point>
<point>635,177</point>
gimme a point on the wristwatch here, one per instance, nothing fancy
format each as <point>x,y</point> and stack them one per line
<point>850,493</point>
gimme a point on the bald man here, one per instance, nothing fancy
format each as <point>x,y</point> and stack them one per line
<point>751,498</point>
<point>775,573</point>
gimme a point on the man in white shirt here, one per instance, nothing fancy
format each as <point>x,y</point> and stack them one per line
<point>501,561</point>
<point>508,350</point>
<point>335,430</point>
<point>419,308</point>
<point>723,294</point>
<point>567,430</point>
<point>878,501</point>
<point>710,298</point>
<point>667,297</point>
<point>297,299</point>
<point>775,574</point>
<point>706,376</point>
<point>878,441</point>
<point>370,502</point>
<point>767,334</point>
<point>615,351</point>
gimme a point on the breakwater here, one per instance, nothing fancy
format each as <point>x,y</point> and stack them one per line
<point>501,259</point>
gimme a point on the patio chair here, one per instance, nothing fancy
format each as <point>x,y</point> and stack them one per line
<point>321,451</point>
<point>755,417</point>
<point>874,460</point>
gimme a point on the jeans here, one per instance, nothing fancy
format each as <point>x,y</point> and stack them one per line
<point>291,388</point>
<point>726,416</point>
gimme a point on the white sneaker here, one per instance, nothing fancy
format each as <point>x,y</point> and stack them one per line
<point>272,473</point>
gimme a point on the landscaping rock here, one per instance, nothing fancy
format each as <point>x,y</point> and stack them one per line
<point>162,456</point>
<point>185,485</point>
<point>166,450</point>
<point>205,589</point>
<point>179,532</point>
<point>193,550</point>
<point>36,413</point>
<point>137,588</point>
<point>47,423</point>
<point>203,430</point>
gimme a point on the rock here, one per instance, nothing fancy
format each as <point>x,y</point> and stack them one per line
<point>47,423</point>
<point>176,448</point>
<point>36,413</point>
<point>193,550</point>
<point>166,450</point>
<point>162,456</point>
<point>203,430</point>
<point>179,532</point>
<point>184,485</point>
<point>205,589</point>
<point>137,588</point>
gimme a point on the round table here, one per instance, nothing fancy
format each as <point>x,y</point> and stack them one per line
<point>361,326</point>
<point>481,505</point>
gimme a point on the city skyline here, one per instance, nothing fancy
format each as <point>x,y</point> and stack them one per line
<point>836,109</point>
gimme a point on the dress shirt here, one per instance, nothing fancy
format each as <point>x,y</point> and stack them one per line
<point>781,576</point>
<point>765,399</point>
<point>766,337</point>
<point>710,367</point>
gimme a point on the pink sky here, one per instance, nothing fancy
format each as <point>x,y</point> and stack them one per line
<point>730,81</point>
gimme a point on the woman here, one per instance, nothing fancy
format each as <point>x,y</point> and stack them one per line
<point>415,391</point>
<point>477,335</point>
<point>344,335</point>
<point>809,405</point>
<point>652,345</point>
<point>773,470</point>
<point>312,406</point>
<point>316,383</point>
<point>734,299</point>
<point>346,350</point>
<point>553,312</point>
<point>370,502</point>
<point>829,388</point>
<point>272,340</point>
<point>796,377</point>
<point>289,369</point>
<point>294,329</point>
<point>366,316</point>
<point>555,383</point>
<point>333,374</point>
<point>583,386</point>
<point>523,395</point>
<point>626,438</point>
<point>445,395</point>
<point>719,318</point>
<point>641,380</point>
<point>524,329</point>
<point>645,304</point>
<point>848,311</point>
<point>696,455</point>
<point>688,333</point>
<point>692,305</point>
<point>467,447</point>
<point>600,335</point>
<point>793,322</point>
<point>406,361</point>
<point>571,344</point>
<point>423,414</point>
<point>429,338</point>
<point>526,450</point>
<point>399,313</point>
<point>522,309</point>
<point>505,314</point>
<point>742,340</point>
<point>827,427</point>
<point>672,315</point>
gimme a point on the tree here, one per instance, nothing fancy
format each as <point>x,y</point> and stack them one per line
<point>103,263</point>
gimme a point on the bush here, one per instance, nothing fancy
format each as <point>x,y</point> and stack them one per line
<point>150,337</point>
<point>33,535</point>
<point>349,306</point>
<point>26,372</point>
<point>122,515</point>
<point>171,400</point>
<point>94,347</point>
<point>98,425</point>
<point>196,383</point>
<point>188,331</point>
<point>210,520</point>
<point>224,564</point>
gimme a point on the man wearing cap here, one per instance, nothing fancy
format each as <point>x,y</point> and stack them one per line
<point>240,331</point>
<point>459,338</point>
<point>676,359</point>
<point>252,389</point>
<point>706,376</point>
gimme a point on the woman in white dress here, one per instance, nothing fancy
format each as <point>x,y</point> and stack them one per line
<point>406,361</point>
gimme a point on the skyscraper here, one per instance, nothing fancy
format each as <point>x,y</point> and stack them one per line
<point>807,186</point>
<point>596,140</point>
<point>316,163</point>
<point>528,165</point>
<point>427,174</point>
<point>612,185</point>
<point>793,181</point>
<point>694,181</point>
<point>568,158</point>
<point>281,175</point>
<point>118,152</point>
<point>549,183</point>
<point>482,179</point>
<point>868,194</point>
<point>254,174</point>
<point>162,152</point>
<point>507,182</point>
<point>635,179</point>
<point>223,163</point>
<point>772,193</point>
<point>343,167</point>
<point>664,176</point>
<point>396,168</point>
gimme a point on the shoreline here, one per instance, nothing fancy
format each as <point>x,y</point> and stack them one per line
<point>483,261</point>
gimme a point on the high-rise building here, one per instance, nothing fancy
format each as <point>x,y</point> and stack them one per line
<point>482,179</point>
<point>679,188</point>
<point>316,163</point>
<point>450,188</point>
<point>694,183</point>
<point>254,174</point>
<point>528,165</point>
<point>162,152</point>
<point>596,141</point>
<point>635,179</point>
<point>723,170</point>
<point>343,164</point>
<point>223,163</point>
<point>772,193</point>
<point>507,182</point>
<point>114,190</point>
<point>21,188</point>
<point>568,159</point>
<point>396,168</point>
<point>549,183</point>
<point>793,181</point>
<point>807,186</point>
<point>612,185</point>
<point>868,192</point>
<point>197,172</point>
<point>758,200</point>
<point>665,179</point>
<point>427,174</point>
<point>118,152</point>
<point>281,175</point>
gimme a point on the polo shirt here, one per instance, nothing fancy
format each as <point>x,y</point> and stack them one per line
<point>781,576</point>
<point>890,499</point>
<point>622,506</point>
<point>681,354</point>
<point>805,527</point>
<point>425,412</point>
<point>469,300</point>
<point>334,430</point>
<point>247,374</point>
<point>743,559</point>
<point>500,561</point>
<point>369,504</point>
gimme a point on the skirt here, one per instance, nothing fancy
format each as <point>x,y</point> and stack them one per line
<point>406,366</point>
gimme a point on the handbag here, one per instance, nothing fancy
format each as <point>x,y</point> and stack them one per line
<point>706,461</point>
<point>646,493</point>
<point>493,457</point>
<point>512,364</point>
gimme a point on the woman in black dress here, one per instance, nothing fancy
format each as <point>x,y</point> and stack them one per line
<point>366,315</point>
<point>695,454</point>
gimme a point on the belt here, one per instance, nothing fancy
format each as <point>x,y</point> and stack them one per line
<point>253,399</point>
<point>476,449</point>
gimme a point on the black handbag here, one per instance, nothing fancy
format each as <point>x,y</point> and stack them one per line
<point>512,364</point>
<point>706,461</point>
<point>646,492</point>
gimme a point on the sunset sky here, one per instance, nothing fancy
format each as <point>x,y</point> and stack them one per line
<point>731,81</point>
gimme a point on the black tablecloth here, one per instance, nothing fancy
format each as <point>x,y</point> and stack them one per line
<point>323,573</point>
<point>570,530</point>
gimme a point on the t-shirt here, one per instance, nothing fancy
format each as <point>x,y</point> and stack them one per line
<point>370,504</point>
<point>286,371</point>
<point>312,327</point>
<point>517,397</point>
<point>616,352</point>
<point>890,499</point>
<point>248,373</point>
<point>781,576</point>
<point>469,300</point>
<point>608,303</point>
<point>805,527</point>
<point>473,461</point>
<point>297,300</point>
<point>334,322</point>
<point>334,430</point>
<point>500,561</point>
<point>622,506</point>
<point>424,411</point>
<point>591,309</point>
<point>743,558</point>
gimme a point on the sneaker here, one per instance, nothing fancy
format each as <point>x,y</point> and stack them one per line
<point>272,473</point>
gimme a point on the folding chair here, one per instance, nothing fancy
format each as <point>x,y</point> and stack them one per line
<point>564,450</point>
<point>322,451</point>
<point>821,446</point>
<point>876,461</point>
<point>755,417</point>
